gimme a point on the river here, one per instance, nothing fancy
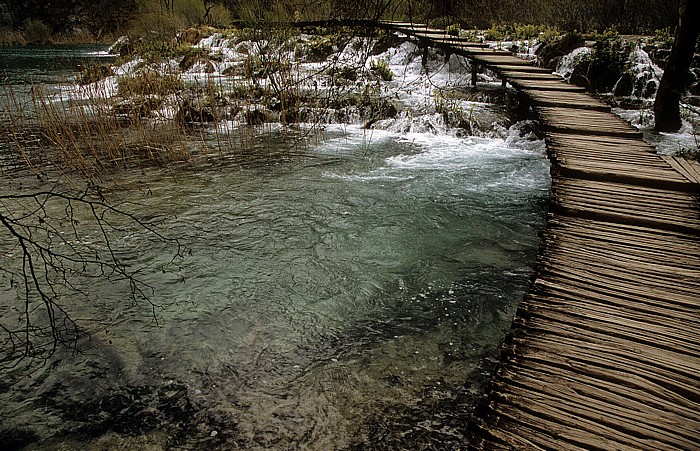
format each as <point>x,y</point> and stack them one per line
<point>352,296</point>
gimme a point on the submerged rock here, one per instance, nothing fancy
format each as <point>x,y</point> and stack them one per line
<point>190,36</point>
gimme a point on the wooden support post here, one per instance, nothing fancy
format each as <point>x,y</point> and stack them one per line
<point>503,81</point>
<point>475,70</point>
<point>424,59</point>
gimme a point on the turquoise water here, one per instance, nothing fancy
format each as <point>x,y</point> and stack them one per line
<point>348,296</point>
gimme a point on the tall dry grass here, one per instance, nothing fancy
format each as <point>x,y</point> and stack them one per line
<point>81,137</point>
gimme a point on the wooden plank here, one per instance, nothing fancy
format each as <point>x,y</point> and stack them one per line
<point>606,324</point>
<point>600,388</point>
<point>614,154</point>
<point>628,207</point>
<point>554,112</point>
<point>547,428</point>
<point>566,280</point>
<point>594,264</point>
<point>659,246</point>
<point>672,201</point>
<point>574,125</point>
<point>521,75</point>
<point>545,85</point>
<point>590,250</point>
<point>609,215</point>
<point>578,101</point>
<point>530,69</point>
<point>623,418</point>
<point>558,349</point>
<point>567,407</point>
<point>572,291</point>
<point>498,60</point>
<point>606,145</point>
<point>621,165</point>
<point>566,139</point>
<point>613,292</point>
<point>681,168</point>
<point>622,172</point>
<point>444,38</point>
<point>693,167</point>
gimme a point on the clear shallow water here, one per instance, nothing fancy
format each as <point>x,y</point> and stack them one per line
<point>352,296</point>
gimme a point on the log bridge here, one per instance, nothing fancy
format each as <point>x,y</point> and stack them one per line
<point>604,351</point>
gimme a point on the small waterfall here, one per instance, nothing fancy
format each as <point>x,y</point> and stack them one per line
<point>568,63</point>
<point>646,75</point>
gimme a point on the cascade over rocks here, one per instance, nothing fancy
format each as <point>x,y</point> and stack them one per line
<point>549,54</point>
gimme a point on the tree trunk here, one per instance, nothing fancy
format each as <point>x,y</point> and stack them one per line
<point>675,78</point>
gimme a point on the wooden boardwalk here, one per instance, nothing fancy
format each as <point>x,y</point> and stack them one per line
<point>604,352</point>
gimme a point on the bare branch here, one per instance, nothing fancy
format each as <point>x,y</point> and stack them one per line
<point>48,230</point>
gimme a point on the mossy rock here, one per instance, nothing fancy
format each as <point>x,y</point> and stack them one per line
<point>189,60</point>
<point>190,36</point>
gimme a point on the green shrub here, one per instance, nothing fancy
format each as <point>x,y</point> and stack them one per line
<point>496,33</point>
<point>381,68</point>
<point>319,48</point>
<point>37,32</point>
<point>344,73</point>
<point>219,16</point>
<point>663,38</point>
<point>689,153</point>
<point>453,30</point>
<point>603,67</point>
<point>551,34</point>
<point>191,11</point>
<point>155,31</point>
<point>471,35</point>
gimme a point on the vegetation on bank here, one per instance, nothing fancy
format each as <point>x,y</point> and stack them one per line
<point>61,21</point>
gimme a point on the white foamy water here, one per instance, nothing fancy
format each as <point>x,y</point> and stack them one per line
<point>566,65</point>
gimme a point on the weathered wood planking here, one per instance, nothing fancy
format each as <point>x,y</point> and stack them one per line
<point>623,159</point>
<point>564,120</point>
<point>517,75</point>
<point>627,204</point>
<point>608,338</point>
<point>573,100</point>
<point>544,84</point>
<point>520,69</point>
<point>604,352</point>
<point>496,59</point>
<point>689,169</point>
